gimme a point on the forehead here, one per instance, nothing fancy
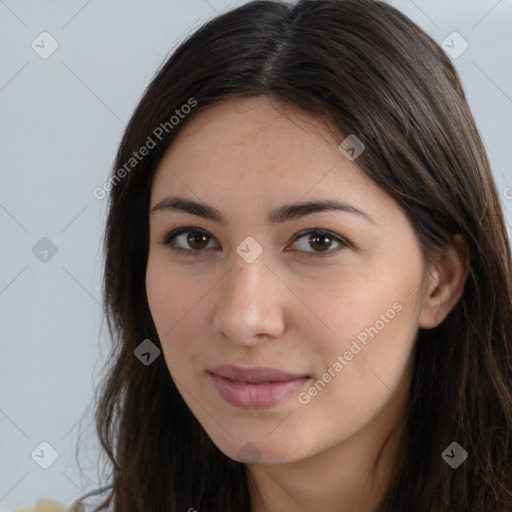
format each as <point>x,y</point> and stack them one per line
<point>247,156</point>
<point>256,137</point>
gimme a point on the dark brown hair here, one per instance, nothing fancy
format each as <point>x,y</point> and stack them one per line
<point>366,69</point>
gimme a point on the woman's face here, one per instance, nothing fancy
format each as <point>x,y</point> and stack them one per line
<point>250,284</point>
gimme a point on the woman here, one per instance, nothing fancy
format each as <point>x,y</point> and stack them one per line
<point>307,276</point>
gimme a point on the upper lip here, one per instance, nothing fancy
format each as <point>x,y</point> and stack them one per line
<point>255,374</point>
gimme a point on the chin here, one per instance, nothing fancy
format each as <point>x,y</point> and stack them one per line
<point>261,451</point>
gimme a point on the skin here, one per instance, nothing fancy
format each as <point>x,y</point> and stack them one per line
<point>289,311</point>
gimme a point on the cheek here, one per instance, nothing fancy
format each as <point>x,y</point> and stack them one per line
<point>176,302</point>
<point>370,323</point>
<point>171,296</point>
<point>340,314</point>
<point>363,367</point>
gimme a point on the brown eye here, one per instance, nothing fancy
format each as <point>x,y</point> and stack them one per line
<point>189,240</point>
<point>197,240</point>
<point>320,242</point>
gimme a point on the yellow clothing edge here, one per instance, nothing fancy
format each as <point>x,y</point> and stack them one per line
<point>45,506</point>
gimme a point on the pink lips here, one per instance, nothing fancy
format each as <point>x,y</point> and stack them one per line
<point>255,388</point>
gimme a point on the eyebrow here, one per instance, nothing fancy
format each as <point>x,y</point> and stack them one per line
<point>280,214</point>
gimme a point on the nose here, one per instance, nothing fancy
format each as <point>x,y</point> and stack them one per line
<point>250,306</point>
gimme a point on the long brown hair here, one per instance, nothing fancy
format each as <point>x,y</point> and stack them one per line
<point>368,70</point>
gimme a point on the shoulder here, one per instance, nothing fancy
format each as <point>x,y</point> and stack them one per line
<point>86,503</point>
<point>45,505</point>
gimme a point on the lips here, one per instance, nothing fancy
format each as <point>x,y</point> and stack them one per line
<point>255,388</point>
<point>255,375</point>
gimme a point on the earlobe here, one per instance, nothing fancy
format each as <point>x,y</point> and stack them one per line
<point>446,283</point>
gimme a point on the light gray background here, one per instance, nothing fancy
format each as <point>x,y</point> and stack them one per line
<point>61,120</point>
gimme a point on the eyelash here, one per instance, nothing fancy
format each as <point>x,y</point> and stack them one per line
<point>170,237</point>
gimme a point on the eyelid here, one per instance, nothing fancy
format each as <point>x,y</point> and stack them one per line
<point>343,243</point>
<point>171,235</point>
<point>174,233</point>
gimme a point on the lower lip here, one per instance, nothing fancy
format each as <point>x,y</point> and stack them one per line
<point>256,396</point>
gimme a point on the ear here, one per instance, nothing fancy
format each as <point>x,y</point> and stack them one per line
<point>445,283</point>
